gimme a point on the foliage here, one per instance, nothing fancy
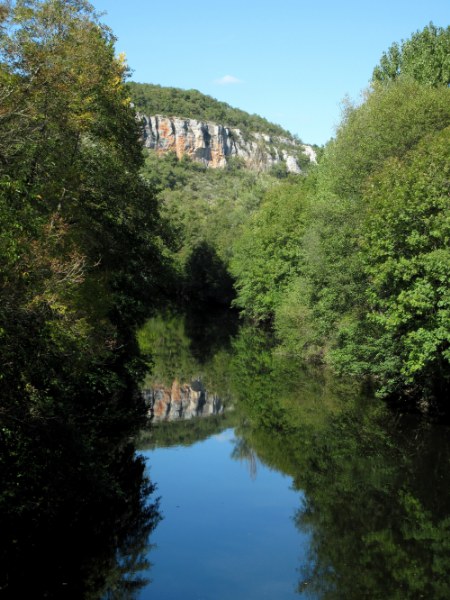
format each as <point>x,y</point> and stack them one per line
<point>356,272</point>
<point>407,257</point>
<point>82,222</point>
<point>390,121</point>
<point>207,280</point>
<point>323,314</point>
<point>267,255</point>
<point>425,57</point>
<point>152,99</point>
<point>80,263</point>
<point>203,209</point>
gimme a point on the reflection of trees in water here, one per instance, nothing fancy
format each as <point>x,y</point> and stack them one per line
<point>242,451</point>
<point>86,538</point>
<point>209,331</point>
<point>374,507</point>
<point>189,346</point>
<point>75,505</point>
<point>376,488</point>
<point>376,501</point>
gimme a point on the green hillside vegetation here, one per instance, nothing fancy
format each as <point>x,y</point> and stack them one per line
<point>351,263</point>
<point>361,282</point>
<point>151,99</point>
<point>347,267</point>
<point>205,211</point>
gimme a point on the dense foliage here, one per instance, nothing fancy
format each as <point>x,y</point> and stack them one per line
<point>360,278</point>
<point>205,210</point>
<point>267,255</point>
<point>424,57</point>
<point>80,265</point>
<point>350,263</point>
<point>152,99</point>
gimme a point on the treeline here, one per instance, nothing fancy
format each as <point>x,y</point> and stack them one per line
<point>352,265</point>
<point>80,251</point>
<point>349,265</point>
<point>151,99</point>
<point>81,264</point>
<point>204,211</point>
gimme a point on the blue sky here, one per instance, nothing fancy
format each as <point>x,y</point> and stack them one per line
<point>291,61</point>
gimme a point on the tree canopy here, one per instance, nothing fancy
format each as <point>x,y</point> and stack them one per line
<point>425,57</point>
<point>152,99</point>
<point>369,291</point>
<point>81,262</point>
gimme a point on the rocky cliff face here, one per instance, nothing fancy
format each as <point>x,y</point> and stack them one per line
<point>212,144</point>
<point>181,401</point>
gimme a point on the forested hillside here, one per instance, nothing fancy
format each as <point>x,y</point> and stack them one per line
<point>350,264</point>
<point>151,99</point>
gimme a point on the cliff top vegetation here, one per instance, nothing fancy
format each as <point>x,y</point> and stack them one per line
<point>154,99</point>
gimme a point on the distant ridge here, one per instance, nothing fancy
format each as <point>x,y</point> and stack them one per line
<point>189,123</point>
<point>152,99</point>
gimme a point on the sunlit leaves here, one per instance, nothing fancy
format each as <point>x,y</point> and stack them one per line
<point>268,255</point>
<point>425,57</point>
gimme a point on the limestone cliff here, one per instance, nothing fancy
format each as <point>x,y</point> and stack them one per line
<point>213,144</point>
<point>181,401</point>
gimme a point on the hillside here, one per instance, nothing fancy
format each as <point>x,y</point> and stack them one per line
<point>151,99</point>
<point>193,125</point>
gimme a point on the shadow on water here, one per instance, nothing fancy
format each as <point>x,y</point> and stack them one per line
<point>76,508</point>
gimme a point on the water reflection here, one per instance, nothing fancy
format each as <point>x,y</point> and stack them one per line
<point>181,401</point>
<point>377,508</point>
<point>373,486</point>
<point>76,507</point>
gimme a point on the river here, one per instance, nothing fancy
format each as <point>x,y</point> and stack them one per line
<point>280,482</point>
<point>275,481</point>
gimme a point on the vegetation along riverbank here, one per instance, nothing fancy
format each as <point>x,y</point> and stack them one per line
<point>341,253</point>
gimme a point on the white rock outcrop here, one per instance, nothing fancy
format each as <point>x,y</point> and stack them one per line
<point>213,144</point>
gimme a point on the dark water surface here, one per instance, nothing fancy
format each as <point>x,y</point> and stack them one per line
<point>304,487</point>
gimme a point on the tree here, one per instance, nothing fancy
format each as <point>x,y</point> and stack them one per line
<point>326,305</point>
<point>268,255</point>
<point>80,259</point>
<point>407,258</point>
<point>424,57</point>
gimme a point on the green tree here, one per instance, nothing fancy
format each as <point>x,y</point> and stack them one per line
<point>267,256</point>
<point>327,303</point>
<point>425,57</point>
<point>407,258</point>
<point>80,257</point>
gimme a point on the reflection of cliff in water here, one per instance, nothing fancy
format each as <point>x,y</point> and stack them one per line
<point>181,401</point>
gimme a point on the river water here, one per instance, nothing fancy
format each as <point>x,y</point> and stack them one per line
<point>275,481</point>
<point>298,486</point>
<point>228,527</point>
